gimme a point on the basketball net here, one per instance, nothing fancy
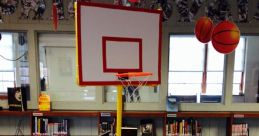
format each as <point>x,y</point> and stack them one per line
<point>130,89</point>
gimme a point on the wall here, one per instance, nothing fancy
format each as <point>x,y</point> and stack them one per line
<point>34,27</point>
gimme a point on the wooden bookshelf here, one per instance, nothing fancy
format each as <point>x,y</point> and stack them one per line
<point>229,116</point>
<point>196,115</point>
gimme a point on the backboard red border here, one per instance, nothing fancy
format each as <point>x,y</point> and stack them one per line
<point>121,39</point>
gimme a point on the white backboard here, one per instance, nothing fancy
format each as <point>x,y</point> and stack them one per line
<point>114,39</point>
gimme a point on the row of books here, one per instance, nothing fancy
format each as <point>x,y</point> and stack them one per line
<point>189,127</point>
<point>240,129</point>
<point>44,127</point>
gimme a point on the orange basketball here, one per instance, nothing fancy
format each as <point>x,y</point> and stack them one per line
<point>203,29</point>
<point>225,37</point>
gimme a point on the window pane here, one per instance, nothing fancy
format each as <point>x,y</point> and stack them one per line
<point>144,94</point>
<point>239,55</point>
<point>13,59</point>
<point>237,77</point>
<point>239,66</point>
<point>186,54</point>
<point>7,76</point>
<point>184,89</point>
<point>215,60</point>
<point>186,66</point>
<point>185,77</point>
<point>215,77</point>
<point>58,69</point>
<point>4,85</point>
<point>214,89</point>
<point>236,89</point>
<point>6,51</point>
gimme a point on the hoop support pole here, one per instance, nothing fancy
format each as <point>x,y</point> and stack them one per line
<point>119,110</point>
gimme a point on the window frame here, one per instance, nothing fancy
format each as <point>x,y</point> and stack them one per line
<point>205,68</point>
<point>204,71</point>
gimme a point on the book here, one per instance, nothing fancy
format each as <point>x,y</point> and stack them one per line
<point>147,127</point>
<point>17,100</point>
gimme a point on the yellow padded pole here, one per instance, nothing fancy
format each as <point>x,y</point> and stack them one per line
<point>119,110</point>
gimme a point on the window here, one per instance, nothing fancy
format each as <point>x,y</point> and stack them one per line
<point>57,54</point>
<point>194,68</point>
<point>144,94</point>
<point>14,69</point>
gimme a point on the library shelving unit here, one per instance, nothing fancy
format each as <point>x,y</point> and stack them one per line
<point>230,118</point>
<point>187,123</point>
<point>131,120</point>
<point>242,121</point>
<point>56,122</point>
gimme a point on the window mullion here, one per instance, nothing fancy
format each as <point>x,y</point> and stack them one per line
<point>204,73</point>
<point>241,85</point>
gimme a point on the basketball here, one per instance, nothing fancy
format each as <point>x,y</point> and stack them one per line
<point>225,37</point>
<point>203,29</point>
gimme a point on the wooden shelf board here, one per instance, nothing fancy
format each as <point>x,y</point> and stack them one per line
<point>67,113</point>
<point>138,114</point>
<point>144,114</point>
<point>15,113</point>
<point>245,114</point>
<point>203,114</point>
<point>132,114</point>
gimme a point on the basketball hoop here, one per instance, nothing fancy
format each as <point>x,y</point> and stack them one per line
<point>130,88</point>
<point>134,82</point>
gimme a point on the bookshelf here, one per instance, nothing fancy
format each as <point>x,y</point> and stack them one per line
<point>244,123</point>
<point>192,123</point>
<point>132,121</point>
<point>232,121</point>
<point>57,122</point>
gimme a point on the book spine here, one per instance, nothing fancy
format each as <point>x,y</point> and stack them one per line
<point>35,125</point>
<point>39,125</point>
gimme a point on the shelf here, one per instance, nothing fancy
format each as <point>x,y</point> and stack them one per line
<point>144,114</point>
<point>66,113</point>
<point>200,114</point>
<point>163,115</point>
<point>245,115</point>
<point>134,114</point>
<point>15,113</point>
<point>131,114</point>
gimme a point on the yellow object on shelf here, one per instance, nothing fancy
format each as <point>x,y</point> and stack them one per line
<point>44,102</point>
